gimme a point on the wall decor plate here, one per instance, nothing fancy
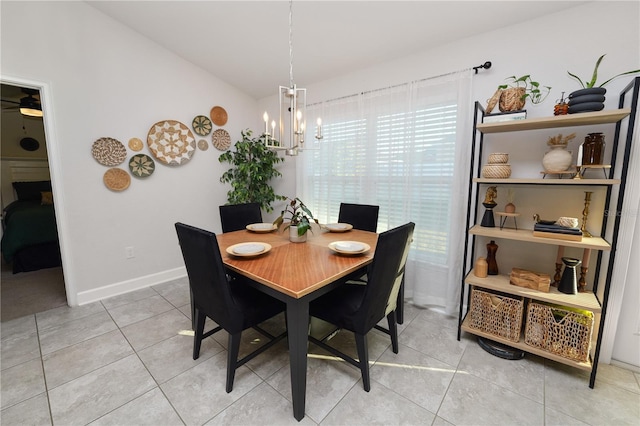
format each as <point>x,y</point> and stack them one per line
<point>201,125</point>
<point>109,151</point>
<point>141,165</point>
<point>218,116</point>
<point>135,144</point>
<point>171,142</point>
<point>221,139</point>
<point>116,179</point>
<point>203,145</point>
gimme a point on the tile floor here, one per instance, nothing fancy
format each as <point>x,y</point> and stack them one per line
<point>127,361</point>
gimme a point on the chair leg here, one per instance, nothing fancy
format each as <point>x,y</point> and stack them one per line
<point>193,310</point>
<point>393,331</point>
<point>198,320</point>
<point>400,304</point>
<point>232,358</point>
<point>363,357</point>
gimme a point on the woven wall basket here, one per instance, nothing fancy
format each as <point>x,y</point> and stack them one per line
<point>511,99</point>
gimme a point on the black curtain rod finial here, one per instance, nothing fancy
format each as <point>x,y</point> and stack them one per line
<point>485,66</point>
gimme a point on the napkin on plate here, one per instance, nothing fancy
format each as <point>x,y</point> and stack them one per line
<point>248,248</point>
<point>349,246</point>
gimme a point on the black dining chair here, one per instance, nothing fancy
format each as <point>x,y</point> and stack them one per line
<point>361,216</point>
<point>234,308</point>
<point>359,308</point>
<point>235,217</point>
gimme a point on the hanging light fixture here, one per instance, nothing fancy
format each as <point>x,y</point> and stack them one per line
<point>29,105</point>
<point>293,109</point>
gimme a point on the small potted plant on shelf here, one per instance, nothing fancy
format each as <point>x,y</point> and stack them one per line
<point>299,217</point>
<point>513,95</point>
<point>591,96</point>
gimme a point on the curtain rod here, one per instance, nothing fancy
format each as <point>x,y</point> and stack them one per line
<point>486,65</point>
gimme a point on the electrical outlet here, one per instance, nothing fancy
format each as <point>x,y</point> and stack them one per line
<point>128,252</point>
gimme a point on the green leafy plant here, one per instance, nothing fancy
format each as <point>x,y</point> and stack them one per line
<point>298,215</point>
<point>532,89</point>
<point>592,83</point>
<point>253,168</point>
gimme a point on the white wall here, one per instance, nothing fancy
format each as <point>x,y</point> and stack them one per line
<point>546,48</point>
<point>106,80</point>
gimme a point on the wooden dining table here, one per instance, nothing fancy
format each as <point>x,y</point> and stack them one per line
<point>297,273</point>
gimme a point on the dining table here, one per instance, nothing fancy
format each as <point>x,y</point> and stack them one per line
<point>297,273</point>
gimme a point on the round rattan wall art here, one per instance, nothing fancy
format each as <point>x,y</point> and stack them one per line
<point>201,125</point>
<point>221,139</point>
<point>171,142</point>
<point>203,144</point>
<point>218,116</point>
<point>116,179</point>
<point>135,144</point>
<point>141,165</point>
<point>109,151</point>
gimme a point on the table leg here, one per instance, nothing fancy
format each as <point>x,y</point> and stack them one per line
<point>298,329</point>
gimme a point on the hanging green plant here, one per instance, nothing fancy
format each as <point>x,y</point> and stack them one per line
<point>253,168</point>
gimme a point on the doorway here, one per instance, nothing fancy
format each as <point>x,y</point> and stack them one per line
<point>39,283</point>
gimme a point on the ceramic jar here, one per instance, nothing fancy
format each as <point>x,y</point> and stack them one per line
<point>557,160</point>
<point>481,268</point>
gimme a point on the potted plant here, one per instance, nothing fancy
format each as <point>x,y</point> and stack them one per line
<point>513,95</point>
<point>591,96</point>
<point>253,168</point>
<point>299,217</point>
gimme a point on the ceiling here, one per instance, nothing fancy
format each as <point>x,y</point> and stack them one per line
<point>246,43</point>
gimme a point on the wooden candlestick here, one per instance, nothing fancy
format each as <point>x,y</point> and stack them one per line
<point>558,275</point>
<point>582,284</point>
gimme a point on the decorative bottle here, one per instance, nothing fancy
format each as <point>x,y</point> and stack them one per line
<point>492,265</point>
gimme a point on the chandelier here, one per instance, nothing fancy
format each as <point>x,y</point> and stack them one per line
<point>293,109</point>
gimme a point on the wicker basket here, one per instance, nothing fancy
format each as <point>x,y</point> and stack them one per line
<point>559,330</point>
<point>498,158</point>
<point>496,171</point>
<point>511,99</point>
<point>496,314</point>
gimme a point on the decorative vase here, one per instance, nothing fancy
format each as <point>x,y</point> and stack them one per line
<point>510,208</point>
<point>294,237</point>
<point>492,265</point>
<point>481,269</point>
<point>593,149</point>
<point>557,160</point>
<point>569,281</point>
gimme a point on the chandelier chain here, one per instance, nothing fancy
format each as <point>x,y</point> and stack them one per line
<point>291,43</point>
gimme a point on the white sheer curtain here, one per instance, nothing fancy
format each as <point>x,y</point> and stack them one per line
<point>406,149</point>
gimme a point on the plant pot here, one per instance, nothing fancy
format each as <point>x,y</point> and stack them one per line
<point>294,237</point>
<point>512,99</point>
<point>557,160</point>
<point>585,100</point>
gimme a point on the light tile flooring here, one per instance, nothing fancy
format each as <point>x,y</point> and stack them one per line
<point>127,361</point>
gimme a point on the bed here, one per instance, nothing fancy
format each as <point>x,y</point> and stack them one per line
<point>30,237</point>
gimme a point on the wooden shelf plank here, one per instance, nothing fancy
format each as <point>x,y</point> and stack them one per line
<point>582,119</point>
<point>523,346</point>
<point>586,300</point>
<point>537,181</point>
<point>595,243</point>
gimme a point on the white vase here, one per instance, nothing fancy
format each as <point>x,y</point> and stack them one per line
<point>294,237</point>
<point>557,160</point>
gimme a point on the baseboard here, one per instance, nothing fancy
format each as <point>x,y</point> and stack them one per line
<point>631,367</point>
<point>123,287</point>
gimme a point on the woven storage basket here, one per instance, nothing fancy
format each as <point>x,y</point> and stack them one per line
<point>496,171</point>
<point>511,99</point>
<point>559,330</point>
<point>498,158</point>
<point>496,314</point>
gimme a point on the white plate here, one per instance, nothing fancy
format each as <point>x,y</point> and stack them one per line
<point>349,247</point>
<point>262,227</point>
<point>339,227</point>
<point>248,249</point>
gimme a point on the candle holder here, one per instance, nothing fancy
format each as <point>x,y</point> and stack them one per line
<point>582,283</point>
<point>585,214</point>
<point>578,174</point>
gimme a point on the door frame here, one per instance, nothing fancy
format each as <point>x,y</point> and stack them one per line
<point>53,153</point>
